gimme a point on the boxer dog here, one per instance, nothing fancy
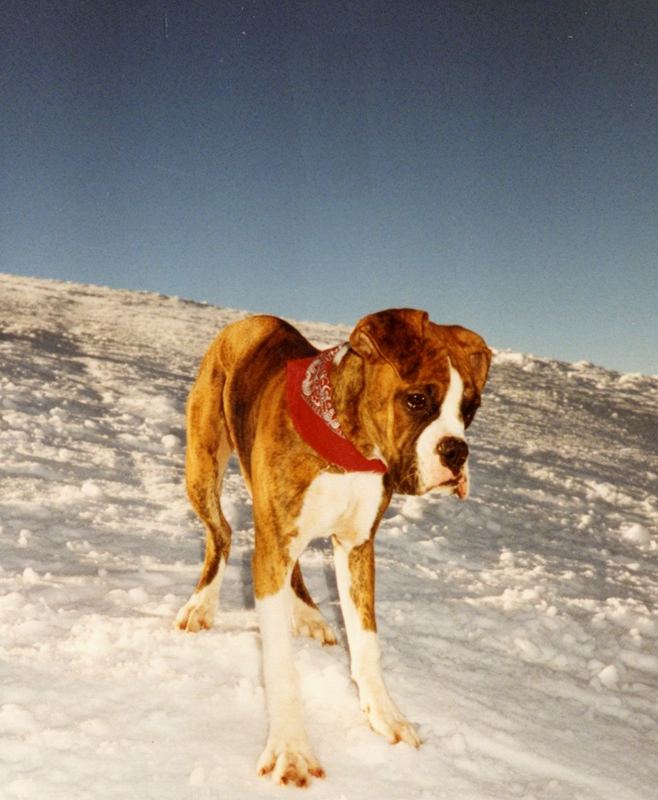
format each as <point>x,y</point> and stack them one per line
<point>324,439</point>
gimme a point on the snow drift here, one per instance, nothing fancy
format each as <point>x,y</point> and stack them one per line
<point>519,629</point>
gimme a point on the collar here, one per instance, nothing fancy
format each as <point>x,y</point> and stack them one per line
<point>311,407</point>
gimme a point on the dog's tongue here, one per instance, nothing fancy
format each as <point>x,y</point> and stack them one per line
<point>461,490</point>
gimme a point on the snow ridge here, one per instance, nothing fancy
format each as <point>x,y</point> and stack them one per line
<point>519,629</point>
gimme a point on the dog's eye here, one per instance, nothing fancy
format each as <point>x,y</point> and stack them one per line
<point>416,401</point>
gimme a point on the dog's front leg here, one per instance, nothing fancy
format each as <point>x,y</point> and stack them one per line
<point>355,574</point>
<point>287,755</point>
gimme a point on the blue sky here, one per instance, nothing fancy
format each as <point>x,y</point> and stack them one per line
<point>493,162</point>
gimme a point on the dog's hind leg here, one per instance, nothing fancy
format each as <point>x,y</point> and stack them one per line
<point>208,451</point>
<point>306,617</point>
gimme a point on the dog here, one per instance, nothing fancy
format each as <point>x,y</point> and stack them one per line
<point>324,439</point>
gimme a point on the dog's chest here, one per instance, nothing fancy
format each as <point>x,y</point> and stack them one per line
<point>345,506</point>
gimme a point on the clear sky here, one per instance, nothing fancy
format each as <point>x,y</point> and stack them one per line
<point>493,162</point>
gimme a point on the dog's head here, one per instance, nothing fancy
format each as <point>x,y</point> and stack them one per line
<point>415,389</point>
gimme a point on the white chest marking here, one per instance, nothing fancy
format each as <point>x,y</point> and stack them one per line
<point>448,423</point>
<point>342,505</point>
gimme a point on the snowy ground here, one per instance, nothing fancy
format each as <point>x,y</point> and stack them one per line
<point>519,629</point>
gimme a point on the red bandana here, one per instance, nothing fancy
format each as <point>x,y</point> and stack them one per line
<point>310,404</point>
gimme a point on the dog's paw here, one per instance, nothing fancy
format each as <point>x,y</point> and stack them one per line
<point>197,614</point>
<point>289,763</point>
<point>308,621</point>
<point>396,729</point>
<point>387,720</point>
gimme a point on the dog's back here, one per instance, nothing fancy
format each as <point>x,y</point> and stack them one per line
<point>235,371</point>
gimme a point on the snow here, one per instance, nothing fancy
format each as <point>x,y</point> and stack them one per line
<point>519,629</point>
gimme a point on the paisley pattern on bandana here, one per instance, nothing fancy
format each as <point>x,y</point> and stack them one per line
<point>311,408</point>
<point>316,389</point>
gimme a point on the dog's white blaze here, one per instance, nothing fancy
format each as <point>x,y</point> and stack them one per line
<point>344,505</point>
<point>448,423</point>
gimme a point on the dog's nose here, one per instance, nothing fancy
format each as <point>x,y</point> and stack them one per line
<point>453,453</point>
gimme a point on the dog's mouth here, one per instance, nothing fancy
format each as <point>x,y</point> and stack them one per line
<point>458,485</point>
<point>446,482</point>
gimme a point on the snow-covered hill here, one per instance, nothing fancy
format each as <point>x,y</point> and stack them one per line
<point>519,629</point>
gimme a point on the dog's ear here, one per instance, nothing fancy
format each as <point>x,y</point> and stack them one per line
<point>480,359</point>
<point>471,347</point>
<point>392,335</point>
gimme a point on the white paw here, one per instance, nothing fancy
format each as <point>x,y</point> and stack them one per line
<point>198,613</point>
<point>386,719</point>
<point>289,762</point>
<point>307,621</point>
